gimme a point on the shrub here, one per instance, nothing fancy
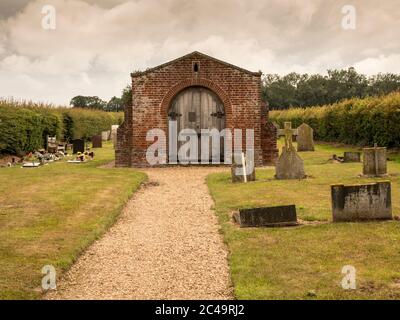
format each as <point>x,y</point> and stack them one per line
<point>24,126</point>
<point>354,121</point>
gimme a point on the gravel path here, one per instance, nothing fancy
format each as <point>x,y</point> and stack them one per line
<point>165,245</point>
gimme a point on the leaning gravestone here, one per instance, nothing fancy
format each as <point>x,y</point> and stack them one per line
<point>374,162</point>
<point>237,170</point>
<point>267,217</point>
<point>97,141</point>
<point>362,202</point>
<point>352,157</point>
<point>305,138</point>
<point>289,164</point>
<point>78,145</point>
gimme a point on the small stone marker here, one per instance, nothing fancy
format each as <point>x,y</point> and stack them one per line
<point>352,157</point>
<point>289,164</point>
<point>97,141</point>
<point>105,135</point>
<point>237,169</point>
<point>267,216</point>
<point>362,202</point>
<point>78,145</point>
<point>31,165</point>
<point>374,162</point>
<point>305,138</point>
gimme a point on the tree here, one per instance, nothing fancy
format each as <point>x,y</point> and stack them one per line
<point>114,105</point>
<point>295,90</point>
<point>126,97</point>
<point>85,102</point>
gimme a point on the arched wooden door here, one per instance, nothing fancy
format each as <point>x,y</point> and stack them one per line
<point>198,108</point>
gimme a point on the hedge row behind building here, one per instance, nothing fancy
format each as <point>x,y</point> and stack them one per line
<point>24,127</point>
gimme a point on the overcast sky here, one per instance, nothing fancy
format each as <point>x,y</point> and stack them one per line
<point>96,44</point>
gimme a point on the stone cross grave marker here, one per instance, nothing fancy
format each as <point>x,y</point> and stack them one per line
<point>289,164</point>
<point>288,133</point>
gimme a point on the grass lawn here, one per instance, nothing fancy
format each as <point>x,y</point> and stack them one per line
<point>305,262</point>
<point>50,214</point>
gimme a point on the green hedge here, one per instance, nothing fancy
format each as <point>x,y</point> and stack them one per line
<point>355,121</point>
<point>24,126</point>
<point>83,123</point>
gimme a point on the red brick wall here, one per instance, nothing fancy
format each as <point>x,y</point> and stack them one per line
<point>154,90</point>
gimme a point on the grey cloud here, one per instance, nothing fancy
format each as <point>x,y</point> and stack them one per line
<point>97,43</point>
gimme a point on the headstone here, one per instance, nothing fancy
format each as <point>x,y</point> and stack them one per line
<point>305,138</point>
<point>352,157</point>
<point>289,164</point>
<point>97,141</point>
<point>267,216</point>
<point>238,175</point>
<point>105,135</point>
<point>362,202</point>
<point>114,130</point>
<point>78,145</point>
<point>374,162</point>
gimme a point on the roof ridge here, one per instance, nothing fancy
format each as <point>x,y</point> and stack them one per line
<point>139,73</point>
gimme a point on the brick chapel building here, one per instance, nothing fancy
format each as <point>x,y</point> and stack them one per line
<point>199,92</point>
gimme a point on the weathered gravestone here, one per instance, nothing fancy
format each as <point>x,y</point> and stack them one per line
<point>362,202</point>
<point>239,171</point>
<point>289,164</point>
<point>97,141</point>
<point>78,145</point>
<point>352,157</point>
<point>267,217</point>
<point>374,161</point>
<point>105,135</point>
<point>114,130</point>
<point>305,138</point>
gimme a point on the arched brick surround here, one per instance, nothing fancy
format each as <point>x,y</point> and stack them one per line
<point>154,89</point>
<point>187,83</point>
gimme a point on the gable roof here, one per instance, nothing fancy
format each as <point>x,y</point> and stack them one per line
<point>194,53</point>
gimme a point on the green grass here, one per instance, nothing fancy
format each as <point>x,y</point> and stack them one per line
<point>296,262</point>
<point>49,215</point>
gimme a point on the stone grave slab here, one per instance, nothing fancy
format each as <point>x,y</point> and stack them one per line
<point>105,135</point>
<point>113,136</point>
<point>237,171</point>
<point>31,165</point>
<point>305,138</point>
<point>374,162</point>
<point>97,141</point>
<point>78,145</point>
<point>362,202</point>
<point>267,216</point>
<point>352,156</point>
